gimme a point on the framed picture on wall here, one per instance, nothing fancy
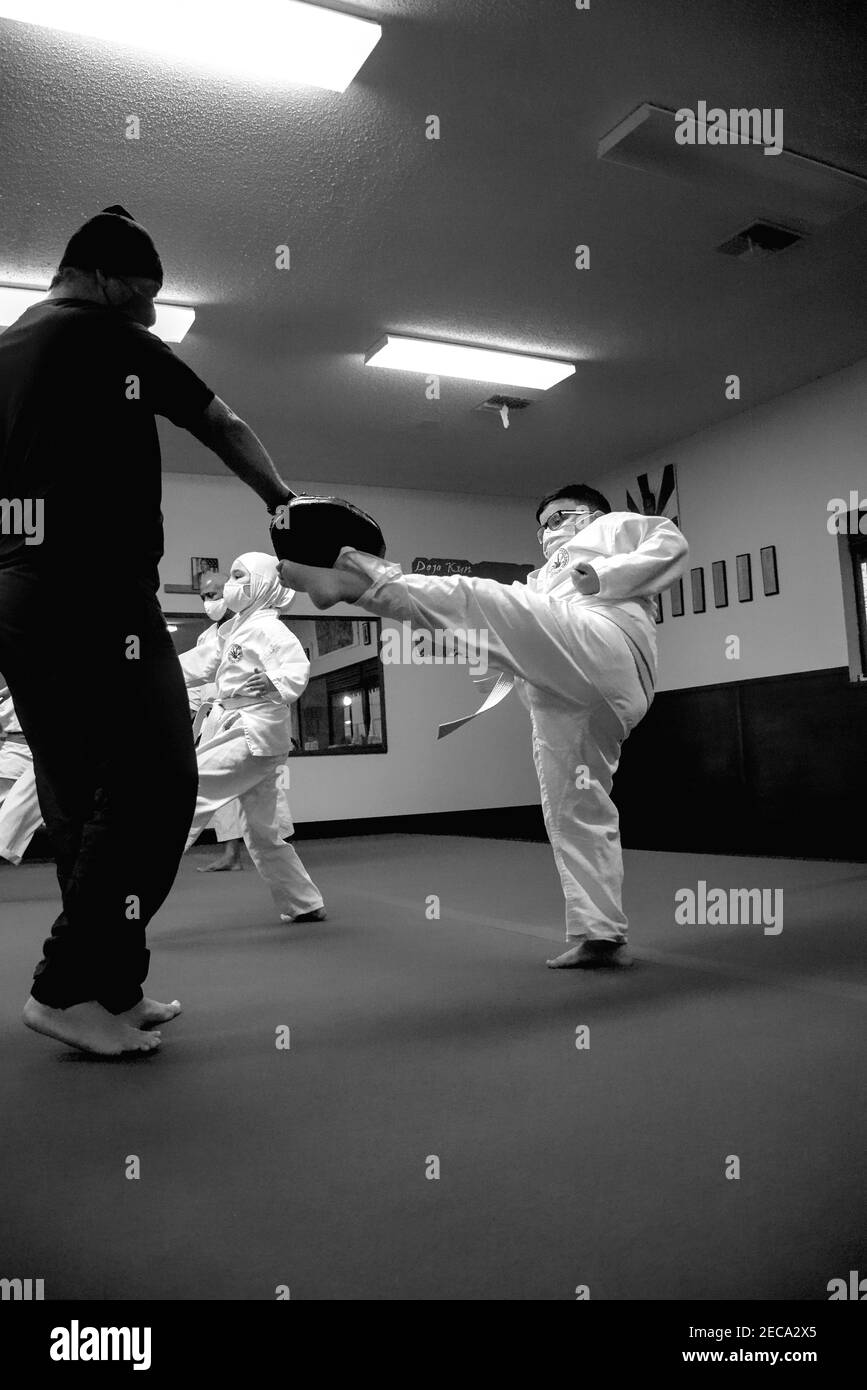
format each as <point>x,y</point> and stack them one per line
<point>744,569</point>
<point>770,577</point>
<point>334,634</point>
<point>697,580</point>
<point>202,564</point>
<point>720,584</point>
<point>676,592</point>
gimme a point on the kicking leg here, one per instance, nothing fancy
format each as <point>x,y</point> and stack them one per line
<point>553,645</point>
<point>324,587</point>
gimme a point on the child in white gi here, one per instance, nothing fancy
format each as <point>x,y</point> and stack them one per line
<point>259,669</point>
<point>580,639</point>
<point>226,823</point>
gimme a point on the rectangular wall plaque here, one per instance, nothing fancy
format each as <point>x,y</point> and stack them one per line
<point>770,577</point>
<point>697,581</point>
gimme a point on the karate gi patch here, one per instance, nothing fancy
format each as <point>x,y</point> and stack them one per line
<point>235,652</point>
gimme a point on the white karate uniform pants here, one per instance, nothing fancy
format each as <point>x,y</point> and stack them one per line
<point>228,769</point>
<point>20,815</point>
<point>565,655</point>
<point>226,823</point>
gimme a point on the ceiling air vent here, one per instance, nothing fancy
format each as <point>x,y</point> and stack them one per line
<point>497,402</point>
<point>761,239</point>
<point>503,406</point>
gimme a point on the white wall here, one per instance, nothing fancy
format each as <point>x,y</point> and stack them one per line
<point>764,479</point>
<point>487,765</point>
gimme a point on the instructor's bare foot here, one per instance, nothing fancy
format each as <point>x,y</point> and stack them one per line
<point>89,1027</point>
<point>593,955</point>
<point>324,587</point>
<point>149,1013</point>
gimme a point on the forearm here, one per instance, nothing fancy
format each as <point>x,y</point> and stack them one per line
<point>658,559</point>
<point>242,451</point>
<point>233,441</point>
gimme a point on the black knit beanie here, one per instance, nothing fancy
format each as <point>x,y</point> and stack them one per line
<point>115,244</point>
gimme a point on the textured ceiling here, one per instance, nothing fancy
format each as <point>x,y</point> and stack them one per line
<point>470,237</point>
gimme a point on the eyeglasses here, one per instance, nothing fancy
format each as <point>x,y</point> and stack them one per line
<point>555,519</point>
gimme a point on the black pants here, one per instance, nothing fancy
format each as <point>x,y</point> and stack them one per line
<point>100,696</point>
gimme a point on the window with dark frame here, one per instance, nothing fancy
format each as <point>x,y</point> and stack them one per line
<point>858,554</point>
<point>852,553</point>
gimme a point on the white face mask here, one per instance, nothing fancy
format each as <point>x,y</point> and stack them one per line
<point>569,527</point>
<point>236,595</point>
<point>215,608</point>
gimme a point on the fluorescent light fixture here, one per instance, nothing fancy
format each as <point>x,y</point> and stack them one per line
<point>174,321</point>
<point>14,299</point>
<point>786,188</point>
<point>434,358</point>
<point>269,40</point>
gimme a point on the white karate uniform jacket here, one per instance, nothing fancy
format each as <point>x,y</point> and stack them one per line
<point>635,558</point>
<point>227,653</point>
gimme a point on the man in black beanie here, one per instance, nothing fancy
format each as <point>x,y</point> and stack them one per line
<point>83,643</point>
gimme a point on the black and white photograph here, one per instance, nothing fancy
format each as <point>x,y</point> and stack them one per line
<point>396,903</point>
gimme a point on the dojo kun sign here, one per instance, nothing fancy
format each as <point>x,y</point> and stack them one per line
<point>503,571</point>
<point>421,565</point>
<point>732,907</point>
<point>409,646</point>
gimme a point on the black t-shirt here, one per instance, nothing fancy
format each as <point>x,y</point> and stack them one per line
<point>80,386</point>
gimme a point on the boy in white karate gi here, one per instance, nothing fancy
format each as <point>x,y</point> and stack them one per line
<point>259,668</point>
<point>580,640</point>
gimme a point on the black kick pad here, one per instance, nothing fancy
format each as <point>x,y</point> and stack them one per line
<point>314,530</point>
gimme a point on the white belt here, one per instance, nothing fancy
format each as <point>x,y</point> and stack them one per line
<point>503,687</point>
